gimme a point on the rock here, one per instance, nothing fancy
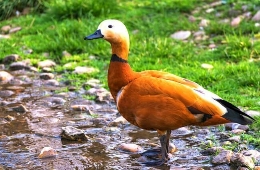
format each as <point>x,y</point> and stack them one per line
<point>242,146</point>
<point>9,118</point>
<point>243,127</point>
<point>3,103</point>
<point>84,108</point>
<point>46,63</point>
<point>204,23</point>
<point>72,133</point>
<point>192,18</point>
<point>51,82</point>
<point>239,159</point>
<point>19,66</point>
<point>253,154</point>
<point>253,113</point>
<point>79,107</point>
<point>47,152</point>
<point>5,77</point>
<point>47,69</point>
<point>130,147</point>
<point>46,76</point>
<point>242,168</point>
<point>92,57</point>
<point>83,70</point>
<point>14,30</point>
<point>256,17</point>
<point>212,46</point>
<point>2,66</point>
<point>234,126</point>
<point>226,143</point>
<point>244,7</point>
<point>206,66</point>
<point>224,21</point>
<point>5,29</point>
<point>223,157</point>
<point>247,15</point>
<point>199,33</point>
<point>69,65</point>
<point>24,79</point>
<point>181,35</point>
<point>172,148</point>
<point>17,89</point>
<point>93,83</point>
<point>20,108</point>
<point>27,51</point>
<point>238,131</point>
<point>234,139</point>
<point>183,131</point>
<point>55,100</point>
<point>66,54</point>
<point>216,3</point>
<point>210,10</point>
<point>11,58</point>
<point>221,167</point>
<point>111,129</point>
<point>6,93</point>
<point>4,36</point>
<point>118,121</point>
<point>103,97</point>
<point>236,21</point>
<point>72,88</point>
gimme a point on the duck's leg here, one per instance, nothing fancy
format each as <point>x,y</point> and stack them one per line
<point>164,140</point>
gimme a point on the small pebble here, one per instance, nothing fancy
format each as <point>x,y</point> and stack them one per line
<point>15,29</point>
<point>46,63</point>
<point>234,139</point>
<point>130,147</point>
<point>9,118</point>
<point>238,131</point>
<point>47,152</point>
<point>46,76</point>
<point>118,121</point>
<point>222,158</point>
<point>181,35</point>
<point>206,66</point>
<point>256,17</point>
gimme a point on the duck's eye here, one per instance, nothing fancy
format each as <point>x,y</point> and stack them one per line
<point>110,26</point>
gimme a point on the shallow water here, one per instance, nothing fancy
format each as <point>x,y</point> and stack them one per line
<point>22,139</point>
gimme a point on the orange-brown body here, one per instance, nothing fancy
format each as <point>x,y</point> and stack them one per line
<point>156,100</point>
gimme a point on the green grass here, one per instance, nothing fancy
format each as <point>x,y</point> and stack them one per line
<point>61,25</point>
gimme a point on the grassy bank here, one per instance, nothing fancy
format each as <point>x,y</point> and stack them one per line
<point>56,26</point>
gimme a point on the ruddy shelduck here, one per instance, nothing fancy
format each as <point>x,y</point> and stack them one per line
<point>155,100</point>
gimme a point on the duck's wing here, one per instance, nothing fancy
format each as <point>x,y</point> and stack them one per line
<point>157,103</point>
<point>204,92</point>
<point>186,82</point>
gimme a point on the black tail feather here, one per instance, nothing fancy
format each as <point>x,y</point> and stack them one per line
<point>234,114</point>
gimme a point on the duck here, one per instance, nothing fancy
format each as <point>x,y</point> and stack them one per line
<point>157,100</point>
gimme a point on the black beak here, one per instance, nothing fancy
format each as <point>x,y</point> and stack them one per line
<point>96,35</point>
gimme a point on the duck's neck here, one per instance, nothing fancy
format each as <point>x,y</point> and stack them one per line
<point>121,49</point>
<point>119,74</point>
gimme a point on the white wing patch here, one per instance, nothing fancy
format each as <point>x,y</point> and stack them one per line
<point>209,96</point>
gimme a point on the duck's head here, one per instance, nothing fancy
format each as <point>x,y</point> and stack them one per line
<point>114,31</point>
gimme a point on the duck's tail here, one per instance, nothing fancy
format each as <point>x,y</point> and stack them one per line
<point>234,114</point>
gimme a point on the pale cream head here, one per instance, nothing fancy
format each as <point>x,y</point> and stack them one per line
<point>113,31</point>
